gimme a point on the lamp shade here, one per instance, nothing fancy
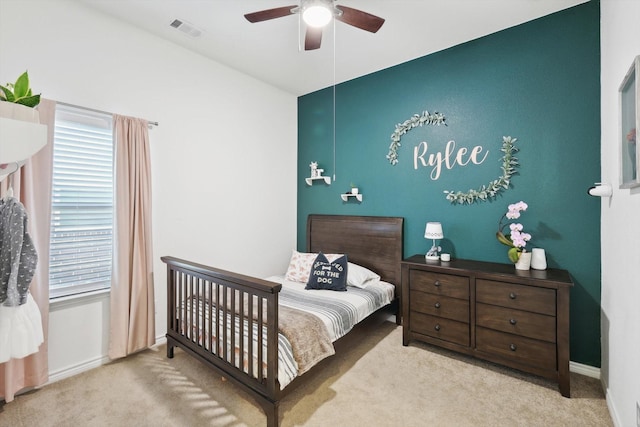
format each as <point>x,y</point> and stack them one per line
<point>433,231</point>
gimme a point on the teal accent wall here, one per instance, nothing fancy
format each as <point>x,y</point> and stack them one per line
<point>538,82</point>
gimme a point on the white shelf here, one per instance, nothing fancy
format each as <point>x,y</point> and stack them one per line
<point>327,179</point>
<point>346,196</point>
<point>20,140</point>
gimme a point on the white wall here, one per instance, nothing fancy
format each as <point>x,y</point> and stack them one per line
<point>620,41</point>
<point>223,157</point>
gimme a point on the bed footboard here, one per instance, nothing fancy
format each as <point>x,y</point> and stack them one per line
<point>210,312</point>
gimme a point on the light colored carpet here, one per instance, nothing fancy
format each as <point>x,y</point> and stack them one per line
<point>372,381</point>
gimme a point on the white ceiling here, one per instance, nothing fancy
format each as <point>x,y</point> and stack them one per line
<point>269,50</point>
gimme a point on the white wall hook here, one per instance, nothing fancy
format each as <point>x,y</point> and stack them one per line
<point>600,190</point>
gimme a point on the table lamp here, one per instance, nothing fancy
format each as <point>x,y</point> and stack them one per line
<point>433,231</point>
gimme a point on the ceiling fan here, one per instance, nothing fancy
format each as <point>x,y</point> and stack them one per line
<point>318,13</point>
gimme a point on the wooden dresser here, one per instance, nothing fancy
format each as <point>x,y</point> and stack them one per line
<point>490,311</point>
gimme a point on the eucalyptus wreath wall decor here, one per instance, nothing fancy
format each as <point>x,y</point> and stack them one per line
<point>401,128</point>
<point>483,193</point>
<point>491,190</point>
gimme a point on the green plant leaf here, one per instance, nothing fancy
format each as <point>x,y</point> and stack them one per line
<point>7,94</point>
<point>503,239</point>
<point>29,101</point>
<point>514,254</point>
<point>21,87</point>
<point>20,92</point>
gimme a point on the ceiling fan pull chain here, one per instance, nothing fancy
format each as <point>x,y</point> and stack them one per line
<point>299,32</point>
<point>334,100</point>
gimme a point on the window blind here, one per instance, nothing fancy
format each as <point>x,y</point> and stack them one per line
<point>81,245</point>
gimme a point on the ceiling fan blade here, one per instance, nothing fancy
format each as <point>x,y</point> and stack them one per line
<point>359,19</point>
<point>265,15</point>
<point>312,38</point>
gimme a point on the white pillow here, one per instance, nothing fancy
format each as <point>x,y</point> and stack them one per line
<point>360,276</point>
<point>300,265</point>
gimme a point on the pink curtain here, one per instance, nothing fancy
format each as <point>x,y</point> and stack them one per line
<point>132,295</point>
<point>32,186</point>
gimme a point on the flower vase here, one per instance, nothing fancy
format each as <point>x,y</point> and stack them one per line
<point>524,261</point>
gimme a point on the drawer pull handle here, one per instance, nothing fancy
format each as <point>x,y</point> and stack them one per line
<point>437,305</point>
<point>512,295</point>
<point>437,327</point>
<point>436,283</point>
<point>513,321</point>
<point>513,347</point>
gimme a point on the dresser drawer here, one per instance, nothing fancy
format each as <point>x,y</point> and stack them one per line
<point>518,322</point>
<point>439,284</point>
<point>539,354</point>
<point>521,297</point>
<point>437,327</point>
<point>441,306</point>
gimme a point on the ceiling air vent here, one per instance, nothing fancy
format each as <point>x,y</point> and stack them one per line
<point>186,28</point>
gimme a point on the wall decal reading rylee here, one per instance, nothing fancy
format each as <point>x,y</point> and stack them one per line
<point>450,158</point>
<point>436,160</point>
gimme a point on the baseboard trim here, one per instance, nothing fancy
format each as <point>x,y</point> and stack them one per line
<point>612,410</point>
<point>162,339</point>
<point>79,368</point>
<point>586,370</point>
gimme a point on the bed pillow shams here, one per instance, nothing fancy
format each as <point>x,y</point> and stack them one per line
<point>360,276</point>
<point>330,275</point>
<point>300,265</point>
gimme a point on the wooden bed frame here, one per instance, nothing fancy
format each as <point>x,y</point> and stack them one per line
<point>373,242</point>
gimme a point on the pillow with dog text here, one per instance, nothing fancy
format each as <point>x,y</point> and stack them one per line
<point>331,275</point>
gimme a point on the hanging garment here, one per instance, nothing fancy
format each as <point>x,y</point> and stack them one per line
<point>20,330</point>
<point>20,319</point>
<point>18,257</point>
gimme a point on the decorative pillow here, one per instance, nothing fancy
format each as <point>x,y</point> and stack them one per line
<point>300,265</point>
<point>331,275</point>
<point>360,276</point>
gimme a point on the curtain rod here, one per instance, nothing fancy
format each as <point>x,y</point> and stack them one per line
<point>97,111</point>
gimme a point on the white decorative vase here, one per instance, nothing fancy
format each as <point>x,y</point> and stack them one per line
<point>538,259</point>
<point>524,262</point>
<point>11,110</point>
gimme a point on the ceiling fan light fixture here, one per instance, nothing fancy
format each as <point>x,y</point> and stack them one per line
<point>317,15</point>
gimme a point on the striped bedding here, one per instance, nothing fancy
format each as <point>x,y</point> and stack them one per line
<point>338,311</point>
<point>287,366</point>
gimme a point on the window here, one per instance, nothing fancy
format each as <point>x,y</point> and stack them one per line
<point>81,247</point>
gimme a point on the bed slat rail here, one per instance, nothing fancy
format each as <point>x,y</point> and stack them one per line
<point>224,318</point>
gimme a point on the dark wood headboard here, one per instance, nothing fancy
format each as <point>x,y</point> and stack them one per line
<point>373,242</point>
